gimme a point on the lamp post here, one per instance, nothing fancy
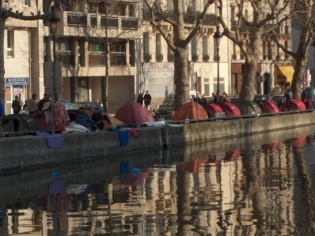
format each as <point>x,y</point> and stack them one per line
<point>53,20</point>
<point>217,36</point>
<point>313,71</point>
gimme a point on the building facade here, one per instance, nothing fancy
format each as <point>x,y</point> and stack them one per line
<point>139,58</point>
<point>22,52</point>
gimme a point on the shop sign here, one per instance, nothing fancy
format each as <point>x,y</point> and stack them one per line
<point>16,81</point>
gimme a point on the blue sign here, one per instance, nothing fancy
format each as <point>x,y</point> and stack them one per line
<point>16,81</point>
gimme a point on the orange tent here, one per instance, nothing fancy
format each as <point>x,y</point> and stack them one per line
<point>133,113</point>
<point>191,111</point>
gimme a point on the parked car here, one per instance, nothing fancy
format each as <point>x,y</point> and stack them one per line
<point>278,99</point>
<point>89,105</point>
<point>68,105</point>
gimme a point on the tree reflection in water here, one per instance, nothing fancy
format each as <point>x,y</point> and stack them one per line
<point>257,189</point>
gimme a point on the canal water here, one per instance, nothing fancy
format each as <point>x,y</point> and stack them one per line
<point>253,185</point>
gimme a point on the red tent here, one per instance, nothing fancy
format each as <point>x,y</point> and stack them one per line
<point>133,113</point>
<point>269,107</point>
<point>212,109</point>
<point>295,105</point>
<point>190,110</point>
<point>230,109</point>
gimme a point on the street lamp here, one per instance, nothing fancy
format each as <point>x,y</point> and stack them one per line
<point>217,36</point>
<point>313,72</point>
<point>53,20</point>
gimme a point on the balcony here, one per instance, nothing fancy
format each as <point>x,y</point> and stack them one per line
<point>239,25</point>
<point>129,23</point>
<point>189,18</point>
<point>81,24</point>
<point>117,59</point>
<point>77,19</point>
<point>210,19</point>
<point>96,59</point>
<point>67,58</point>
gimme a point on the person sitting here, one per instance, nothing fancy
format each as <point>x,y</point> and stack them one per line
<point>85,120</point>
<point>225,98</point>
<point>97,117</point>
<point>288,96</point>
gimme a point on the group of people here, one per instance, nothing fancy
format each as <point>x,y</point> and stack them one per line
<point>146,99</point>
<point>216,98</point>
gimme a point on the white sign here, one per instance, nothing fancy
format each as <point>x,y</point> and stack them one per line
<point>158,78</point>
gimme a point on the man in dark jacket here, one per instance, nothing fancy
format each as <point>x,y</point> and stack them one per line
<point>147,100</point>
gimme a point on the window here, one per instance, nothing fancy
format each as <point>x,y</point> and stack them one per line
<point>131,9</point>
<point>63,45</point>
<point>93,7</point>
<point>94,47</point>
<point>5,4</point>
<point>146,46</point>
<point>206,86</point>
<point>194,56</point>
<point>246,14</point>
<point>221,85</point>
<point>10,42</point>
<point>26,3</point>
<point>232,14</point>
<point>205,48</point>
<point>169,5</point>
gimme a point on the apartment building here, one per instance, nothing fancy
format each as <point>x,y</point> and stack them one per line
<point>83,31</point>
<point>22,54</point>
<point>158,59</point>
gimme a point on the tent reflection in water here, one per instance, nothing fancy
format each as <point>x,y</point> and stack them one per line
<point>133,113</point>
<point>190,110</point>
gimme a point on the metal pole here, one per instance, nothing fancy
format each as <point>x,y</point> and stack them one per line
<point>218,72</point>
<point>53,85</point>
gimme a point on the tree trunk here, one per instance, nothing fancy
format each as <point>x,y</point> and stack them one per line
<point>250,67</point>
<point>2,88</point>
<point>249,78</point>
<point>181,78</point>
<point>298,77</point>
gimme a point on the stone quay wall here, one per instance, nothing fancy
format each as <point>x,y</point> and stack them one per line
<point>29,152</point>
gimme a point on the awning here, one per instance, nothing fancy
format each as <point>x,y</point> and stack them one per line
<point>285,74</point>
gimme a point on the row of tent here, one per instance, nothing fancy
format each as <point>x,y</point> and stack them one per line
<point>133,113</point>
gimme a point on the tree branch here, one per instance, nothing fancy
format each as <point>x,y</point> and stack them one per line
<point>198,22</point>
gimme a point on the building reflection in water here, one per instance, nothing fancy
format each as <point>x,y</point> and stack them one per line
<point>263,191</point>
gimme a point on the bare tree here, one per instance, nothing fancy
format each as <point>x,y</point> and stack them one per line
<point>254,19</point>
<point>159,16</point>
<point>304,18</point>
<point>12,13</point>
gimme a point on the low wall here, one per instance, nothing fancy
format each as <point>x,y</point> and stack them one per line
<point>28,152</point>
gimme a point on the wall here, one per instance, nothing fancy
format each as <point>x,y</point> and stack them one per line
<point>31,152</point>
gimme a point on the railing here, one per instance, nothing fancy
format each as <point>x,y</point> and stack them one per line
<point>97,59</point>
<point>66,58</point>
<point>97,20</point>
<point>76,19</point>
<point>111,22</point>
<point>117,59</point>
<point>129,23</point>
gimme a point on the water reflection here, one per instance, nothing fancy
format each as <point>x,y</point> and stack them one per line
<point>254,189</point>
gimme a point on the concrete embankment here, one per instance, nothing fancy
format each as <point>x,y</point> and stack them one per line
<point>28,152</point>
